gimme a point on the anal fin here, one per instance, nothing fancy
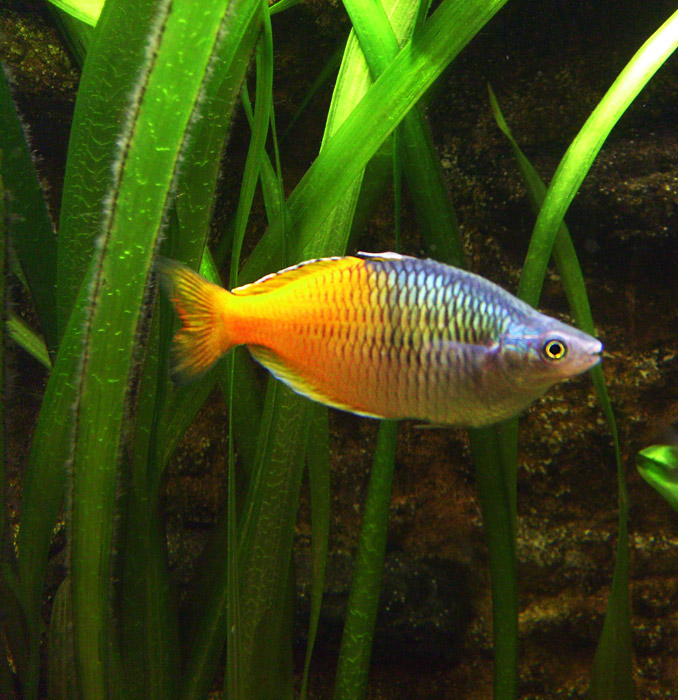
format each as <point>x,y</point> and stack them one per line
<point>281,370</point>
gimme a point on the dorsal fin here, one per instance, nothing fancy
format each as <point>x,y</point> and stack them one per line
<point>382,256</point>
<point>290,274</point>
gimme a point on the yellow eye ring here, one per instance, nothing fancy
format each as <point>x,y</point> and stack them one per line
<point>554,349</point>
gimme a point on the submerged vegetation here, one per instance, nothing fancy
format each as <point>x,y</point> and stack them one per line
<point>150,123</point>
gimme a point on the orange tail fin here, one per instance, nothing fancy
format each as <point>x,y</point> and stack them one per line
<point>202,338</point>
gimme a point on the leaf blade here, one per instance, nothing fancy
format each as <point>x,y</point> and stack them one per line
<point>398,88</point>
<point>28,222</point>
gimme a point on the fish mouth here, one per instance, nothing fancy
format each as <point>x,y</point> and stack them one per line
<point>596,353</point>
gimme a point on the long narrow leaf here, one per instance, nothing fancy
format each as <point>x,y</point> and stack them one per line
<point>87,11</point>
<point>356,641</point>
<point>234,682</point>
<point>277,511</point>
<point>612,673</point>
<point>163,411</point>
<point>422,166</point>
<point>13,629</point>
<point>267,532</point>
<point>498,510</point>
<point>255,153</point>
<point>148,619</point>
<point>319,481</point>
<point>236,674</point>
<point>61,676</point>
<point>163,106</point>
<point>43,490</point>
<point>612,670</point>
<point>3,359</point>
<point>110,73</point>
<point>283,5</point>
<point>28,339</point>
<point>579,157</point>
<point>31,230</point>
<point>401,85</point>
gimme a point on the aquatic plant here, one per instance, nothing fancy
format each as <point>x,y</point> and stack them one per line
<point>149,126</point>
<point>658,465</point>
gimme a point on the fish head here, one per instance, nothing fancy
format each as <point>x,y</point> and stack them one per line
<point>542,351</point>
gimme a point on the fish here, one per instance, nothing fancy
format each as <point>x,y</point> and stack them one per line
<point>381,335</point>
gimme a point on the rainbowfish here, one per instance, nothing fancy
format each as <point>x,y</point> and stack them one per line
<point>381,335</point>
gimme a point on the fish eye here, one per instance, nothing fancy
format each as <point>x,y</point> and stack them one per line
<point>554,349</point>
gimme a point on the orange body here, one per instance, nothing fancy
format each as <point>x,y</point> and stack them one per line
<point>327,336</point>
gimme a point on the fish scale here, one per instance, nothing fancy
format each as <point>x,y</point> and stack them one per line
<point>382,335</point>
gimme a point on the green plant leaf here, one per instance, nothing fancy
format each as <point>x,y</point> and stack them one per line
<point>87,11</point>
<point>43,490</point>
<point>25,337</point>
<point>398,88</point>
<point>267,531</point>
<point>380,43</point>
<point>147,617</point>
<point>28,222</point>
<point>238,675</point>
<point>497,500</point>
<point>658,465</point>
<point>319,482</point>
<point>53,438</point>
<point>13,632</point>
<point>110,74</point>
<point>3,359</point>
<point>256,150</point>
<point>573,282</point>
<point>166,101</point>
<point>581,153</point>
<point>356,641</point>
<point>282,5</point>
<point>612,670</point>
<point>77,34</point>
<point>62,681</point>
